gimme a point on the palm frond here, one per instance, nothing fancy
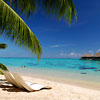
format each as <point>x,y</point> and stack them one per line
<point>3,67</point>
<point>59,8</point>
<point>1,72</point>
<point>13,27</point>
<point>24,6</point>
<point>3,46</point>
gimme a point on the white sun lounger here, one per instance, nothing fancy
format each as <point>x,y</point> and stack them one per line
<point>10,78</point>
<point>18,81</point>
<point>28,85</point>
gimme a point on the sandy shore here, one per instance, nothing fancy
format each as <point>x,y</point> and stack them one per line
<point>59,91</point>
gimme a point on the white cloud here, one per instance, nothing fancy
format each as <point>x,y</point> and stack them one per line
<point>61,45</point>
<point>90,51</point>
<point>98,50</point>
<point>70,55</point>
<point>63,54</point>
<point>73,54</point>
<point>57,45</point>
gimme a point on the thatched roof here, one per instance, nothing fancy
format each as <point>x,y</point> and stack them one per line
<point>86,55</point>
<point>96,55</point>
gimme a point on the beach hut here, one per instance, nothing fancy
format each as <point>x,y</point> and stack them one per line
<point>96,55</point>
<point>89,57</point>
<point>86,56</point>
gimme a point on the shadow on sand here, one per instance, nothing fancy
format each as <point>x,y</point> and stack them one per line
<point>8,87</point>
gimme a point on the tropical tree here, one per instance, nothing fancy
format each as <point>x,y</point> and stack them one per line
<point>13,27</point>
<point>3,67</point>
<point>3,46</point>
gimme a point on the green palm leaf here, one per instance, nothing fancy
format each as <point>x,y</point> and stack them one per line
<point>14,28</point>
<point>3,67</point>
<point>59,8</point>
<point>3,46</point>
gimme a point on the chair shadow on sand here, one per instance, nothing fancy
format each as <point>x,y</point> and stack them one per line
<point>6,86</point>
<point>17,84</point>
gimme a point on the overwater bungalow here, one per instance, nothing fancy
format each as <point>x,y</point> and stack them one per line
<point>90,57</point>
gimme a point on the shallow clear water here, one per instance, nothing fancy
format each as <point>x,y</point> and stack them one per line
<point>58,68</point>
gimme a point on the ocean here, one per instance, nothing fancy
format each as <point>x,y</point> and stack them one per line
<point>55,68</point>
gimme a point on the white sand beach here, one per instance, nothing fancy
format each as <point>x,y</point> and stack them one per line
<point>59,91</point>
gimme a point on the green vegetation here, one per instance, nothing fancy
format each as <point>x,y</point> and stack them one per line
<point>16,30</point>
<point>3,46</point>
<point>3,67</point>
<point>13,27</point>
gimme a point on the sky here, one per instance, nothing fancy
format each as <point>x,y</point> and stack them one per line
<point>57,38</point>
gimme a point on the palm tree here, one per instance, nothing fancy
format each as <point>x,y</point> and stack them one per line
<point>3,46</point>
<point>3,67</point>
<point>13,27</point>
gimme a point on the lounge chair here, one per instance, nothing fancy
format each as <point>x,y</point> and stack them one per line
<point>10,78</point>
<point>18,81</point>
<point>28,85</point>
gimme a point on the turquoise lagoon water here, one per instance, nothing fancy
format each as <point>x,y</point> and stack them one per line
<point>55,68</point>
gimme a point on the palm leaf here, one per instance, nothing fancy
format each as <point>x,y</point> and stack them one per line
<point>24,6</point>
<point>13,27</point>
<point>59,8</point>
<point>3,45</point>
<point>2,67</point>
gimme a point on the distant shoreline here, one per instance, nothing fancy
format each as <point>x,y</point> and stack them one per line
<point>39,58</point>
